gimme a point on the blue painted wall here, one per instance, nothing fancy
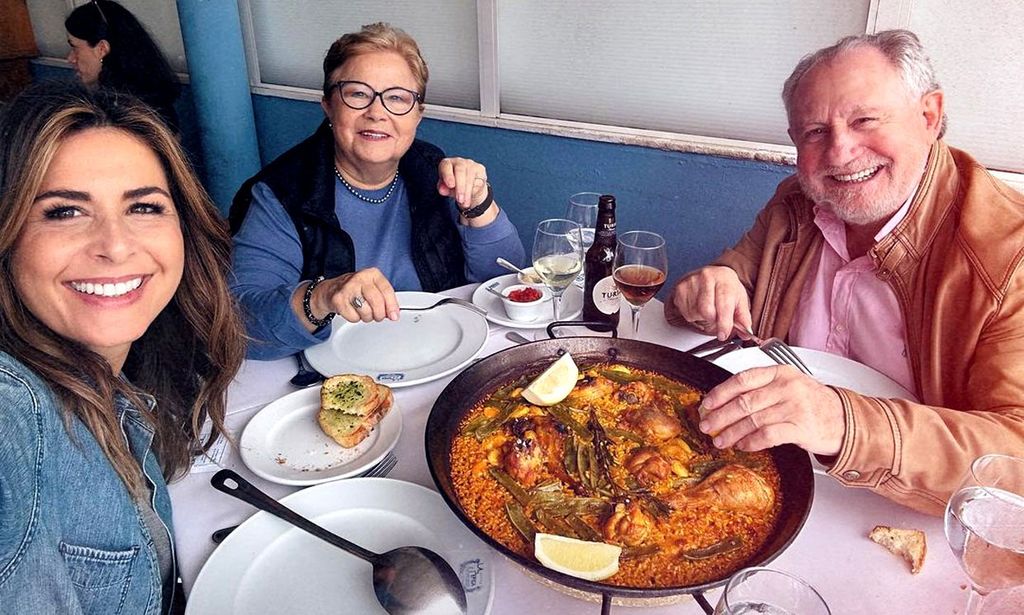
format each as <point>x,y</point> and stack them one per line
<point>700,204</point>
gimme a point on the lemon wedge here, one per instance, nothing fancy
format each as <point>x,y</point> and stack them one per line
<point>554,384</point>
<point>592,561</point>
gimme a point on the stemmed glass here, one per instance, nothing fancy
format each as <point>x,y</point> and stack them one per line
<point>763,590</point>
<point>582,208</point>
<point>557,256</point>
<point>640,269</point>
<point>985,526</point>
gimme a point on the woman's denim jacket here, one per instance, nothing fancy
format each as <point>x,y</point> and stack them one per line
<point>71,536</point>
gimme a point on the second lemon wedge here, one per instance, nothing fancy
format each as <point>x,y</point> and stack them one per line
<point>554,384</point>
<point>592,561</point>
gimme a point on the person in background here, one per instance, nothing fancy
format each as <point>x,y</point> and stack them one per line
<point>110,48</point>
<point>118,339</point>
<point>361,208</point>
<point>888,247</point>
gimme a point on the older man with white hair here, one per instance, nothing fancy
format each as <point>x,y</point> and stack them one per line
<point>888,247</point>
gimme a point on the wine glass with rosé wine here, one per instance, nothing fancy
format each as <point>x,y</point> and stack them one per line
<point>985,526</point>
<point>558,256</point>
<point>640,270</point>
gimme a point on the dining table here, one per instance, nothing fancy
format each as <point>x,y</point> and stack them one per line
<point>832,552</point>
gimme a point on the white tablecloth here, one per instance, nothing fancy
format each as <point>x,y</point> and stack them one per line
<point>831,552</point>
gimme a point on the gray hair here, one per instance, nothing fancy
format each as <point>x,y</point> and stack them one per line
<point>901,47</point>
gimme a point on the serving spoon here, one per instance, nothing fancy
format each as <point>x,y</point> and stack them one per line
<point>406,580</point>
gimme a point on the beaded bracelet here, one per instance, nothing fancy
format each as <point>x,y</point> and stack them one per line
<point>479,210</point>
<point>319,323</point>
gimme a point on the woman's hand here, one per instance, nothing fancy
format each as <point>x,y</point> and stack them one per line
<point>365,295</point>
<point>465,181</point>
<point>767,406</point>
<point>712,300</point>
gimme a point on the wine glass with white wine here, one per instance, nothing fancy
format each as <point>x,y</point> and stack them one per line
<point>557,256</point>
<point>772,592</point>
<point>985,526</point>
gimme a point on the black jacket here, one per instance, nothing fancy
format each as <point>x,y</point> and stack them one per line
<point>303,181</point>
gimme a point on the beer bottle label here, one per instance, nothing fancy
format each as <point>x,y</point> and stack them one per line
<point>606,296</point>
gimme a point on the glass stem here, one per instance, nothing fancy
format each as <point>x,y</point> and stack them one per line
<point>634,313</point>
<point>556,302</point>
<point>974,602</point>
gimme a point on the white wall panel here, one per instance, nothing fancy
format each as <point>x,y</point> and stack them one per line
<point>710,68</point>
<point>292,38</point>
<point>48,24</point>
<point>978,54</point>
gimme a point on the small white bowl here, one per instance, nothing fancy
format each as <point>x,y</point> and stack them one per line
<point>526,311</point>
<point>531,278</point>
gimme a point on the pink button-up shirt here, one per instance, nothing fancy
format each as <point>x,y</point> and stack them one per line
<point>846,310</point>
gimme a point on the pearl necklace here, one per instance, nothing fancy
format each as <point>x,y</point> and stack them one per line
<point>363,197</point>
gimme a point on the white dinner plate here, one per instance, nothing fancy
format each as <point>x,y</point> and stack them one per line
<point>268,566</point>
<point>572,303</point>
<point>827,368</point>
<point>283,443</point>
<point>418,347</point>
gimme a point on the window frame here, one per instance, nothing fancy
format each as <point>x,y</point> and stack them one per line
<point>882,15</point>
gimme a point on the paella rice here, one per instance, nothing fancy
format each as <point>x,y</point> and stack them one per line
<point>620,461</point>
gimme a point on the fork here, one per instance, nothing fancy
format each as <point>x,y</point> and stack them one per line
<point>451,300</point>
<point>781,353</point>
<point>382,469</point>
<point>778,350</point>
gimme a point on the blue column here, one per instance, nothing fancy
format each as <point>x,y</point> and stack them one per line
<point>212,35</point>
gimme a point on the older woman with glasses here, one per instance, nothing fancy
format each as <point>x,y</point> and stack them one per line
<point>361,208</point>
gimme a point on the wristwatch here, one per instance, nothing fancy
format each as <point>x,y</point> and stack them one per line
<point>477,211</point>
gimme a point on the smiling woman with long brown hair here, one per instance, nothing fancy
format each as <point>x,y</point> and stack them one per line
<point>118,338</point>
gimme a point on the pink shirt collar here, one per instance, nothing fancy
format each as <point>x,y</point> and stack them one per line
<point>846,309</point>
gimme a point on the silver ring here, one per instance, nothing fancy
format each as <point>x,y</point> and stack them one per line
<point>356,302</point>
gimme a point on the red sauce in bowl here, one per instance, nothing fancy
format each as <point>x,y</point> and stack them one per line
<point>524,295</point>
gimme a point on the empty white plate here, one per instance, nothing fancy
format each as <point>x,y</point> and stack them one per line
<point>418,347</point>
<point>268,566</point>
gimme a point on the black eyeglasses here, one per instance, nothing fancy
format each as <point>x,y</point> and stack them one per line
<point>359,95</point>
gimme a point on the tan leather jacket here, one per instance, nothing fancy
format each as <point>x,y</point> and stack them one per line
<point>954,263</point>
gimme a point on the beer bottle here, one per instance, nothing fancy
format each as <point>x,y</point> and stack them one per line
<point>600,295</point>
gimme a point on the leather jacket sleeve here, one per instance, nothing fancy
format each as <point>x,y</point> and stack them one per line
<point>917,454</point>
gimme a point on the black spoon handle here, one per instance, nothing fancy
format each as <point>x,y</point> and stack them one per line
<point>245,491</point>
<point>222,533</point>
